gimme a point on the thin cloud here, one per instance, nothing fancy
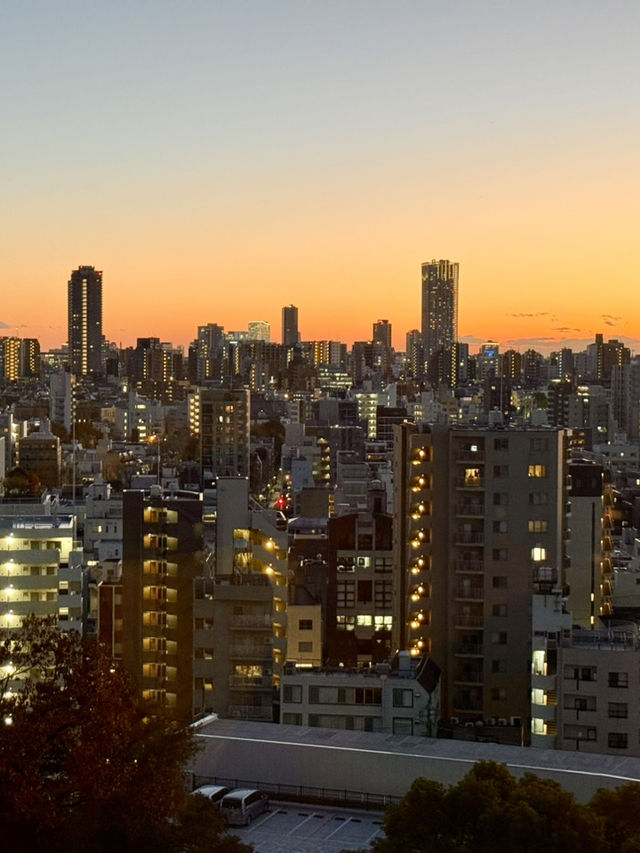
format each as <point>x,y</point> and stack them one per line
<point>541,339</point>
<point>536,314</point>
<point>4,325</point>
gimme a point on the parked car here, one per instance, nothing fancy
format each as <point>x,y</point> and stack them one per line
<point>215,793</point>
<point>242,805</point>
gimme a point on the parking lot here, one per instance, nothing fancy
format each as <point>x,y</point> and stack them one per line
<point>298,828</point>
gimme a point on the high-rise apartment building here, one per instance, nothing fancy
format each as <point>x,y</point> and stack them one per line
<point>162,553</point>
<point>290,333</point>
<point>382,333</point>
<point>477,513</point>
<point>439,306</point>
<point>206,354</point>
<point>85,321</point>
<point>220,419</point>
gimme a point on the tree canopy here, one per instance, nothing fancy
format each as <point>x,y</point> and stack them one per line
<point>85,766</point>
<point>490,811</point>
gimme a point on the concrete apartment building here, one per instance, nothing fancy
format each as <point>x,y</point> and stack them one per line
<point>220,419</point>
<point>162,556</point>
<point>402,701</point>
<point>358,612</point>
<point>40,453</point>
<point>477,510</point>
<point>244,618</point>
<point>585,682</point>
<point>40,570</point>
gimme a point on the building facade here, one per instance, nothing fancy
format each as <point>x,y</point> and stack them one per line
<point>162,555</point>
<point>84,293</point>
<point>476,512</point>
<point>290,333</point>
<point>439,307</point>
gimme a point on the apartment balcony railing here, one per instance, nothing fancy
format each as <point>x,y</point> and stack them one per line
<point>470,566</point>
<point>247,682</point>
<point>467,537</point>
<point>469,592</point>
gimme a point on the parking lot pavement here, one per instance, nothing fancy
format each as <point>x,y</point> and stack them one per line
<point>298,828</point>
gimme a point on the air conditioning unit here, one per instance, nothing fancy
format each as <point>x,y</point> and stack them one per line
<point>454,721</point>
<point>515,721</point>
<point>469,724</point>
<point>502,721</point>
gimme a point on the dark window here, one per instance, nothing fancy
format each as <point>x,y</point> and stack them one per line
<point>365,590</point>
<point>618,679</point>
<point>305,624</point>
<point>617,740</point>
<point>402,698</point>
<point>292,693</point>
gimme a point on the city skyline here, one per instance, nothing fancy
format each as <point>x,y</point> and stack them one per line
<point>222,161</point>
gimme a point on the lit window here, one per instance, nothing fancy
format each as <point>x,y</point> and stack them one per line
<point>538,554</point>
<point>537,471</point>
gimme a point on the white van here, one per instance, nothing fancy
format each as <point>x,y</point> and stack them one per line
<point>242,805</point>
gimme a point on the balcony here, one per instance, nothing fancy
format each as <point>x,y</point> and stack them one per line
<point>470,566</point>
<point>469,537</point>
<point>469,592</point>
<point>246,682</point>
<point>470,650</point>
<point>469,676</point>
<point>251,652</point>
<point>470,456</point>
<point>252,620</point>
<point>470,482</point>
<point>468,620</point>
<point>544,712</point>
<point>470,508</point>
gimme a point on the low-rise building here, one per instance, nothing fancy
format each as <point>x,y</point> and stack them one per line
<point>403,700</point>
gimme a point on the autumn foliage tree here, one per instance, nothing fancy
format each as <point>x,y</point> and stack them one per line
<point>84,766</point>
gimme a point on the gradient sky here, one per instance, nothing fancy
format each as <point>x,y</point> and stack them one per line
<point>218,160</point>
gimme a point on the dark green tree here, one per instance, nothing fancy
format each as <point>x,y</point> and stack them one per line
<point>489,811</point>
<point>619,811</point>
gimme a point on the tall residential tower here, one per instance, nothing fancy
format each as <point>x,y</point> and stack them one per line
<point>439,306</point>
<point>290,333</point>
<point>85,321</point>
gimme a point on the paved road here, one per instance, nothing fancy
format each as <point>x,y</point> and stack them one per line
<point>297,828</point>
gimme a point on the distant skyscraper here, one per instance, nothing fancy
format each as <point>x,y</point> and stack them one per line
<point>290,334</point>
<point>85,321</point>
<point>259,330</point>
<point>382,333</point>
<point>439,306</point>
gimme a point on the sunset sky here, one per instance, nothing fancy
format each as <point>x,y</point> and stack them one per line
<point>218,160</point>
